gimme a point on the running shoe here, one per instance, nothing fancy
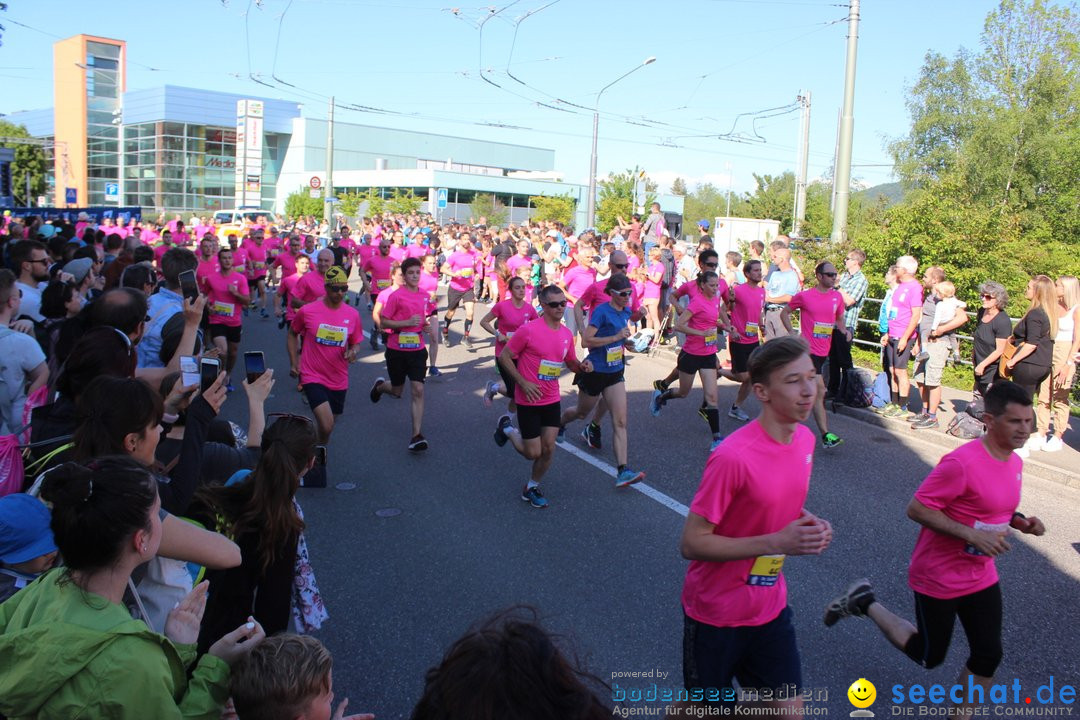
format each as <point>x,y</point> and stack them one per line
<point>434,371</point>
<point>830,440</point>
<point>500,430</point>
<point>468,342</point>
<point>418,444</point>
<point>892,410</point>
<point>922,356</point>
<point>853,603</point>
<point>263,314</point>
<point>737,413</point>
<point>534,497</point>
<point>703,414</point>
<point>375,389</point>
<point>659,385</point>
<point>919,417</point>
<point>925,423</point>
<point>655,403</point>
<point>715,443</point>
<point>229,388</point>
<point>490,392</point>
<point>561,437</point>
<point>628,477</point>
<point>591,435</point>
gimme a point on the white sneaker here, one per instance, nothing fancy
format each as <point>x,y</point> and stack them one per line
<point>1035,442</point>
<point>1053,444</point>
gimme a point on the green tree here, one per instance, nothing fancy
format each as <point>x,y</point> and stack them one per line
<point>488,206</point>
<point>773,199</point>
<point>301,203</point>
<point>405,203</point>
<point>349,203</point>
<point>678,187</point>
<point>558,208</point>
<point>28,158</point>
<point>708,202</point>
<point>616,198</point>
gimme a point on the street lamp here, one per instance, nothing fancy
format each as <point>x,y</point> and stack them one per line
<point>590,218</point>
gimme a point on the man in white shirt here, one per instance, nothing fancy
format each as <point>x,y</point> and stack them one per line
<point>30,259</point>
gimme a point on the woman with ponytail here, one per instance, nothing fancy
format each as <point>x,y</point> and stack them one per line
<point>68,645</point>
<point>259,514</point>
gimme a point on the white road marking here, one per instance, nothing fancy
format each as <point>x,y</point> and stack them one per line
<point>646,490</point>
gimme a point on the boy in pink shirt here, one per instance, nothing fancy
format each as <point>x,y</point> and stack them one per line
<point>404,316</point>
<point>534,359</point>
<point>742,525</point>
<point>747,309</point>
<point>821,310</point>
<point>331,332</point>
<point>966,507</point>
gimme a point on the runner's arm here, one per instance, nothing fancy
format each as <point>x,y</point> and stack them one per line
<point>682,324</point>
<point>990,542</point>
<point>807,535</point>
<point>485,322</point>
<point>589,339</point>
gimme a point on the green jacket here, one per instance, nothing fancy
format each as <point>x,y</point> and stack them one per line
<point>65,653</point>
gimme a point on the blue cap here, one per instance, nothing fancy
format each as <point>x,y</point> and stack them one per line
<point>24,529</point>
<point>703,224</point>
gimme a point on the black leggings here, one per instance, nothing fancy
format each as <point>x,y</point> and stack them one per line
<point>980,615</point>
<point>1030,376</point>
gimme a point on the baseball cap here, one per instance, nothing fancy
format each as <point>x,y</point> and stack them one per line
<point>703,224</point>
<point>553,233</point>
<point>79,268</point>
<point>336,276</point>
<point>24,529</point>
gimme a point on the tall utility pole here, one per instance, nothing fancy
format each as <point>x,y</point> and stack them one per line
<point>804,152</point>
<point>842,174</point>
<point>328,206</point>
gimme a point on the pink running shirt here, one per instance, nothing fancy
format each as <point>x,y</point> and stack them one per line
<point>746,313</point>
<point>510,319</point>
<point>906,297</point>
<point>402,304</point>
<point>541,356</point>
<point>820,313</point>
<point>465,264</point>
<point>224,307</point>
<point>327,335</point>
<point>705,313</point>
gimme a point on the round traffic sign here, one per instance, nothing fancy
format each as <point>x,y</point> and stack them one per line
<point>315,183</point>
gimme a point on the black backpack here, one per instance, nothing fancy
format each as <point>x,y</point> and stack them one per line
<point>854,392</point>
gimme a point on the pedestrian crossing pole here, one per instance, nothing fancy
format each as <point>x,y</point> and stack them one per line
<point>842,171</point>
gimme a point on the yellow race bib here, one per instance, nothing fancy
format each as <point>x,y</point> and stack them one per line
<point>331,335</point>
<point>710,338</point>
<point>751,330</point>
<point>614,355</point>
<point>823,330</point>
<point>549,370</point>
<point>223,308</point>
<point>766,570</point>
<point>409,340</point>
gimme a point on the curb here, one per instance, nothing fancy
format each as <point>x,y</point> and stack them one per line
<point>1031,467</point>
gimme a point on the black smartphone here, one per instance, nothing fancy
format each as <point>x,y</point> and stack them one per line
<point>209,369</point>
<point>189,286</point>
<point>320,455</point>
<point>254,365</point>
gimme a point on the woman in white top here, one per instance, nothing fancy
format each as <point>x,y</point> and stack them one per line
<point>1054,394</point>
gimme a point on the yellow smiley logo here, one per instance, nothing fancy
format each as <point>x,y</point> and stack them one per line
<point>862,693</point>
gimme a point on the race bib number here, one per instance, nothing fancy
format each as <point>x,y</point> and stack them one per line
<point>710,338</point>
<point>223,308</point>
<point>331,335</point>
<point>549,370</point>
<point>409,340</point>
<point>980,525</point>
<point>752,330</point>
<point>766,570</point>
<point>466,273</point>
<point>382,284</point>
<point>822,330</point>
<point>614,355</point>
<point>892,313</point>
<point>258,265</point>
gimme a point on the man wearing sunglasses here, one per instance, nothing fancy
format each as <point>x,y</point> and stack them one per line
<point>331,331</point>
<point>534,358</point>
<point>821,310</point>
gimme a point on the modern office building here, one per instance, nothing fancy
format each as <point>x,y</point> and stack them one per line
<point>182,149</point>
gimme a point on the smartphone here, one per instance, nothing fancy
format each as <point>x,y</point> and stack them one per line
<point>189,286</point>
<point>320,455</point>
<point>254,365</point>
<point>209,369</point>
<point>189,370</point>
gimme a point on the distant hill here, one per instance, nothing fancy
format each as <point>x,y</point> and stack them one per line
<point>892,192</point>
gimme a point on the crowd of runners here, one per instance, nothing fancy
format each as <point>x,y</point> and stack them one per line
<point>122,341</point>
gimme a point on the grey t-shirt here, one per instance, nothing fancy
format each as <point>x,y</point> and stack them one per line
<point>19,354</point>
<point>926,323</point>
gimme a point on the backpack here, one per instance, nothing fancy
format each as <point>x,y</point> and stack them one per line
<point>882,391</point>
<point>639,342</point>
<point>855,391</point>
<point>965,427</point>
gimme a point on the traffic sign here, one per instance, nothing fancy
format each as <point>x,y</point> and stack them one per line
<point>112,192</point>
<point>441,198</point>
<point>71,196</point>
<point>315,182</point>
<point>315,192</point>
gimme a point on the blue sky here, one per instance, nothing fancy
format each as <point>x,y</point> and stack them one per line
<point>470,70</point>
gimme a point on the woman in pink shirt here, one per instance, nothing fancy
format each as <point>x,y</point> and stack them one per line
<point>396,281</point>
<point>654,276</point>
<point>286,290</point>
<point>701,322</point>
<point>511,314</point>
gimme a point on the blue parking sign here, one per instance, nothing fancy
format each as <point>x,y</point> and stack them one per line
<point>112,191</point>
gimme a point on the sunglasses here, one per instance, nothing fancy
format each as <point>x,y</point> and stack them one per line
<point>556,304</point>
<point>290,416</point>
<point>623,293</point>
<point>987,296</point>
<point>710,265</point>
<point>337,288</point>
<point>621,267</point>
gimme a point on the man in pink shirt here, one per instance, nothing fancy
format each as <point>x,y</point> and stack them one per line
<point>966,507</point>
<point>331,331</point>
<point>164,247</point>
<point>404,316</point>
<point>534,359</point>
<point>576,280</point>
<point>227,294</point>
<point>208,262</point>
<point>287,312</point>
<point>255,248</point>
<point>747,310</point>
<point>905,311</point>
<point>821,310</point>
<point>375,272</point>
<point>286,260</point>
<point>461,267</point>
<point>742,525</point>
